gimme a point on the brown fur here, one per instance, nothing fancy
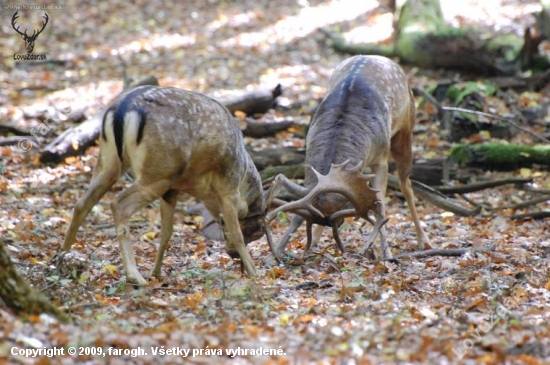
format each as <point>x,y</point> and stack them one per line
<point>189,144</point>
<point>366,116</point>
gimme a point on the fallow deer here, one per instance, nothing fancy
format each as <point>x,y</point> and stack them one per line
<point>175,141</point>
<point>367,115</point>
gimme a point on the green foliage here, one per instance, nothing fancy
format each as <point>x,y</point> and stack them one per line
<point>458,92</point>
<point>507,46</point>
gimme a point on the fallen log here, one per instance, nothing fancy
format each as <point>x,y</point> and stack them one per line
<point>276,157</point>
<point>500,157</point>
<point>464,189</point>
<point>18,295</point>
<point>422,38</point>
<point>252,102</point>
<point>257,129</point>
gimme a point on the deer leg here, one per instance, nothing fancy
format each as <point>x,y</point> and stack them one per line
<point>380,183</point>
<point>402,154</point>
<point>234,236</point>
<point>317,232</point>
<point>293,226</point>
<point>167,207</point>
<point>313,235</point>
<point>125,205</point>
<point>102,180</point>
<point>337,237</point>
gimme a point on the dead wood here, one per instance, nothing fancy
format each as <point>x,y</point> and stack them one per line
<point>529,203</point>
<point>507,120</point>
<point>532,215</point>
<point>4,128</point>
<point>24,143</point>
<point>17,294</point>
<point>436,252</point>
<point>278,157</point>
<point>469,188</point>
<point>531,83</point>
<point>252,102</point>
<point>434,197</point>
<point>257,129</point>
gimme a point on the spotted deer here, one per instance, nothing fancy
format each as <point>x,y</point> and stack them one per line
<point>367,115</point>
<point>173,142</point>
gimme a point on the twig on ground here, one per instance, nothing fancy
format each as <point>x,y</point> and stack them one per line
<point>437,252</point>
<point>504,119</point>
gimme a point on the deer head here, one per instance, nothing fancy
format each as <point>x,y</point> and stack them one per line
<point>349,183</point>
<point>29,39</point>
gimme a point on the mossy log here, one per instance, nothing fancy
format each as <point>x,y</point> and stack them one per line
<point>422,38</point>
<point>500,157</point>
<point>17,294</point>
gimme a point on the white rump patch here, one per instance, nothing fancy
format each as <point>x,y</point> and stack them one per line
<point>135,153</point>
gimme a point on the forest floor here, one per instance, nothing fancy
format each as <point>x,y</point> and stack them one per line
<point>326,308</point>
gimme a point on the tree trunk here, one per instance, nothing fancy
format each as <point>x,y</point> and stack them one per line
<point>19,296</point>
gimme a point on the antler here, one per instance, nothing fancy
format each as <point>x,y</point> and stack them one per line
<point>349,183</point>
<point>34,34</point>
<point>43,25</point>
<point>353,185</point>
<point>15,16</point>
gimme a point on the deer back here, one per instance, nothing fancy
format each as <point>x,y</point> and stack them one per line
<point>354,120</point>
<point>168,133</point>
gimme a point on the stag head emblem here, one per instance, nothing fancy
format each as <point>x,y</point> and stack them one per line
<point>29,39</point>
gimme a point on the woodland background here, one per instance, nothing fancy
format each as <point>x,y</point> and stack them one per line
<point>487,306</point>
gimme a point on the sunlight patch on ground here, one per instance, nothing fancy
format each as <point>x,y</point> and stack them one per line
<point>499,13</point>
<point>379,29</point>
<point>305,22</point>
<point>103,91</point>
<point>168,41</point>
<point>232,20</point>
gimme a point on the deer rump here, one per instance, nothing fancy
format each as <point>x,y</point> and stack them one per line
<point>175,141</point>
<point>159,137</point>
<point>350,123</point>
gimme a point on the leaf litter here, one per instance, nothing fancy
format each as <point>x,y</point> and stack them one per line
<point>326,307</point>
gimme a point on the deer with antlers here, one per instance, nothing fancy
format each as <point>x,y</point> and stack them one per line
<point>367,115</point>
<point>29,39</point>
<point>173,142</point>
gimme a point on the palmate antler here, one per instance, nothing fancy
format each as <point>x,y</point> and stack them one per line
<point>353,185</point>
